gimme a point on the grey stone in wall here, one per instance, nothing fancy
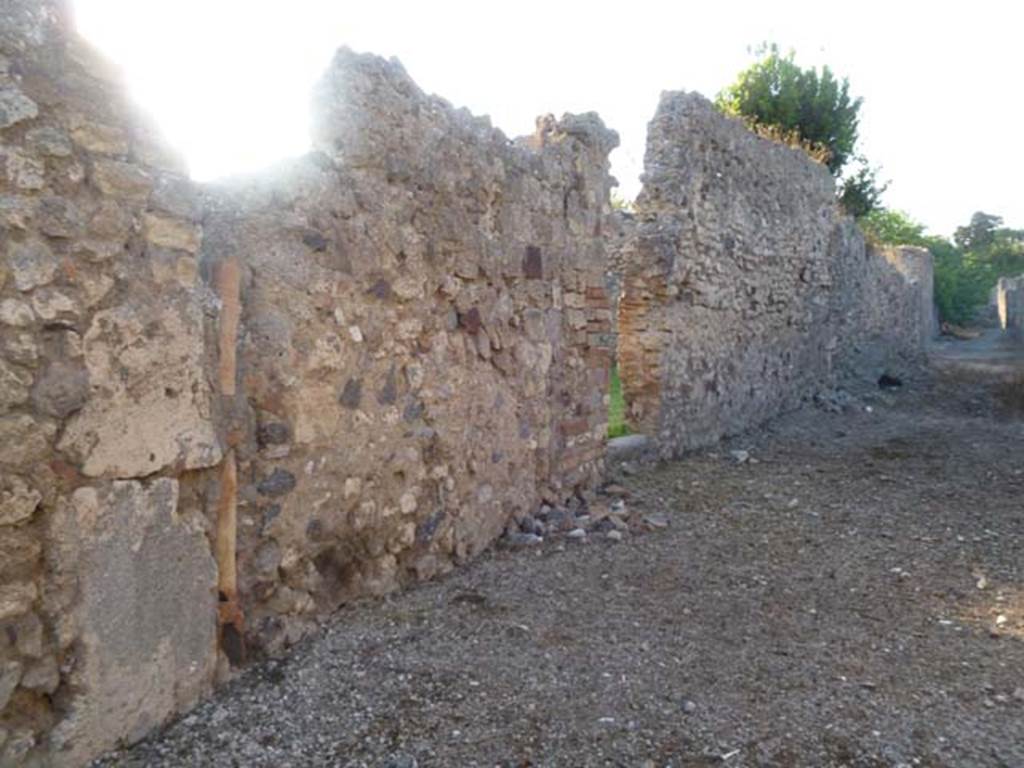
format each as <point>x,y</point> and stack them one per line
<point>917,266</point>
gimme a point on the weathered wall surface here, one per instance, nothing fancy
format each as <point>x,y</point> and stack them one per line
<point>423,346</point>
<point>918,268</point>
<point>107,583</point>
<point>744,290</point>
<point>225,411</point>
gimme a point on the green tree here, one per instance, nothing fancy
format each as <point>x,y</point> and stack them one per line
<point>989,242</point>
<point>620,203</point>
<point>775,91</point>
<point>893,228</point>
<point>962,283</point>
<point>860,193</point>
<point>811,108</point>
<point>979,233</point>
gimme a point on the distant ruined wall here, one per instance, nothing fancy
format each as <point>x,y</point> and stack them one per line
<point>745,290</point>
<point>918,269</point>
<point>1010,305</point>
<point>227,410</point>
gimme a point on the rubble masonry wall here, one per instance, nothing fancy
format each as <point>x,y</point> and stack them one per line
<point>745,289</point>
<point>228,409</point>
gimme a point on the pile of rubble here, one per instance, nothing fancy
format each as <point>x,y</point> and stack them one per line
<point>590,516</point>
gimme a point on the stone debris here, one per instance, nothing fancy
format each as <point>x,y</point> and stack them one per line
<point>888,381</point>
<point>556,520</point>
<point>517,539</point>
<point>612,521</point>
<point>656,521</point>
<point>529,524</point>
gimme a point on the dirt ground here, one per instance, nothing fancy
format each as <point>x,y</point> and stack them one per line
<point>852,595</point>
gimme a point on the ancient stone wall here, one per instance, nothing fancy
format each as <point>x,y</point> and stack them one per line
<point>745,290</point>
<point>917,266</point>
<point>423,341</point>
<point>107,582</point>
<point>227,410</point>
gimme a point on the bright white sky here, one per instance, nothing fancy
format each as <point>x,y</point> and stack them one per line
<point>943,113</point>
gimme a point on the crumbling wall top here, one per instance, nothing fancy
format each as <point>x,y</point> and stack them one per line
<point>368,112</point>
<point>687,129</point>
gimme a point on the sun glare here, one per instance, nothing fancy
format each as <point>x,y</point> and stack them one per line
<point>229,80</point>
<point>225,80</point>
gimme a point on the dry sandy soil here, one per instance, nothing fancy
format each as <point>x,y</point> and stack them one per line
<point>851,596</point>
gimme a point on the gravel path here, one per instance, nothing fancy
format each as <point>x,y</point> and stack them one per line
<point>853,595</point>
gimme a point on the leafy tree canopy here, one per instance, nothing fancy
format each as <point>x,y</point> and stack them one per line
<point>990,242</point>
<point>816,104</point>
<point>893,228</point>
<point>980,232</point>
<point>966,269</point>
<point>860,192</point>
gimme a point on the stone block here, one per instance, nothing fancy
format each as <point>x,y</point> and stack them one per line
<point>145,615</point>
<point>149,401</point>
<point>171,233</point>
<point>32,264</point>
<point>15,106</point>
<point>122,180</point>
<point>18,500</point>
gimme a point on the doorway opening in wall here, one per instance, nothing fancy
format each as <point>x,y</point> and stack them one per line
<point>617,426</point>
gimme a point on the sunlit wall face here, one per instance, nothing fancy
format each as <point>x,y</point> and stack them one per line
<point>229,80</point>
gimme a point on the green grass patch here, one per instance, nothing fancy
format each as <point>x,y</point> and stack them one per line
<point>617,426</point>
